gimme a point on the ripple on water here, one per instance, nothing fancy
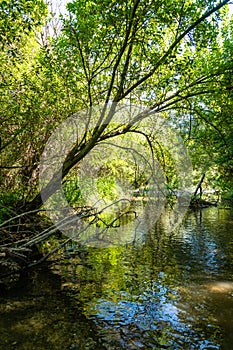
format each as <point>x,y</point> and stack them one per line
<point>159,321</point>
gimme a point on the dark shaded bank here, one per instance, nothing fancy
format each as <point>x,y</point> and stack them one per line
<point>37,313</point>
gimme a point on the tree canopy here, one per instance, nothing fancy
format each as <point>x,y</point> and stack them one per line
<point>173,57</point>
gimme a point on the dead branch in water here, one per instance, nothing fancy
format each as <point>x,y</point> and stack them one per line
<point>17,256</point>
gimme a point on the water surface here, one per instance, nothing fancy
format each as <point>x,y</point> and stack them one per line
<point>171,291</point>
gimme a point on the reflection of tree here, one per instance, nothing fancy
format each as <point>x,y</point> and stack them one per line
<point>148,292</point>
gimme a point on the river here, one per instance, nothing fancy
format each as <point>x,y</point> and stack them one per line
<point>171,291</point>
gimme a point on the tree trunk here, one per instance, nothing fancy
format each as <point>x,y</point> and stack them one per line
<point>199,186</point>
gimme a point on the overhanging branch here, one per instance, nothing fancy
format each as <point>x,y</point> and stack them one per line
<point>171,48</point>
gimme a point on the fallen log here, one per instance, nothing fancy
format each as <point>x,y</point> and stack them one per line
<point>199,203</point>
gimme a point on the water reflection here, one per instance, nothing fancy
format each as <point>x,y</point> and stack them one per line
<point>183,306</point>
<point>168,291</point>
<point>158,316</point>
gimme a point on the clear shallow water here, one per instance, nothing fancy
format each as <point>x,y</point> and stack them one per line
<point>173,291</point>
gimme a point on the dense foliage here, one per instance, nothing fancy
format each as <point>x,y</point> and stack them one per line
<point>174,57</point>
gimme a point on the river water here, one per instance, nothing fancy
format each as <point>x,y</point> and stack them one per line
<point>171,291</point>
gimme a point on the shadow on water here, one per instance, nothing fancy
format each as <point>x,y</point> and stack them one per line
<point>37,314</point>
<point>173,291</point>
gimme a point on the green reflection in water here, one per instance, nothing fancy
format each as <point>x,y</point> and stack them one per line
<point>173,290</point>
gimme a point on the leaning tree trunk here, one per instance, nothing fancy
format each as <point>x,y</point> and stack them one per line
<point>199,186</point>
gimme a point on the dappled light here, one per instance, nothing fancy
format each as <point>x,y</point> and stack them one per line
<point>116,174</point>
